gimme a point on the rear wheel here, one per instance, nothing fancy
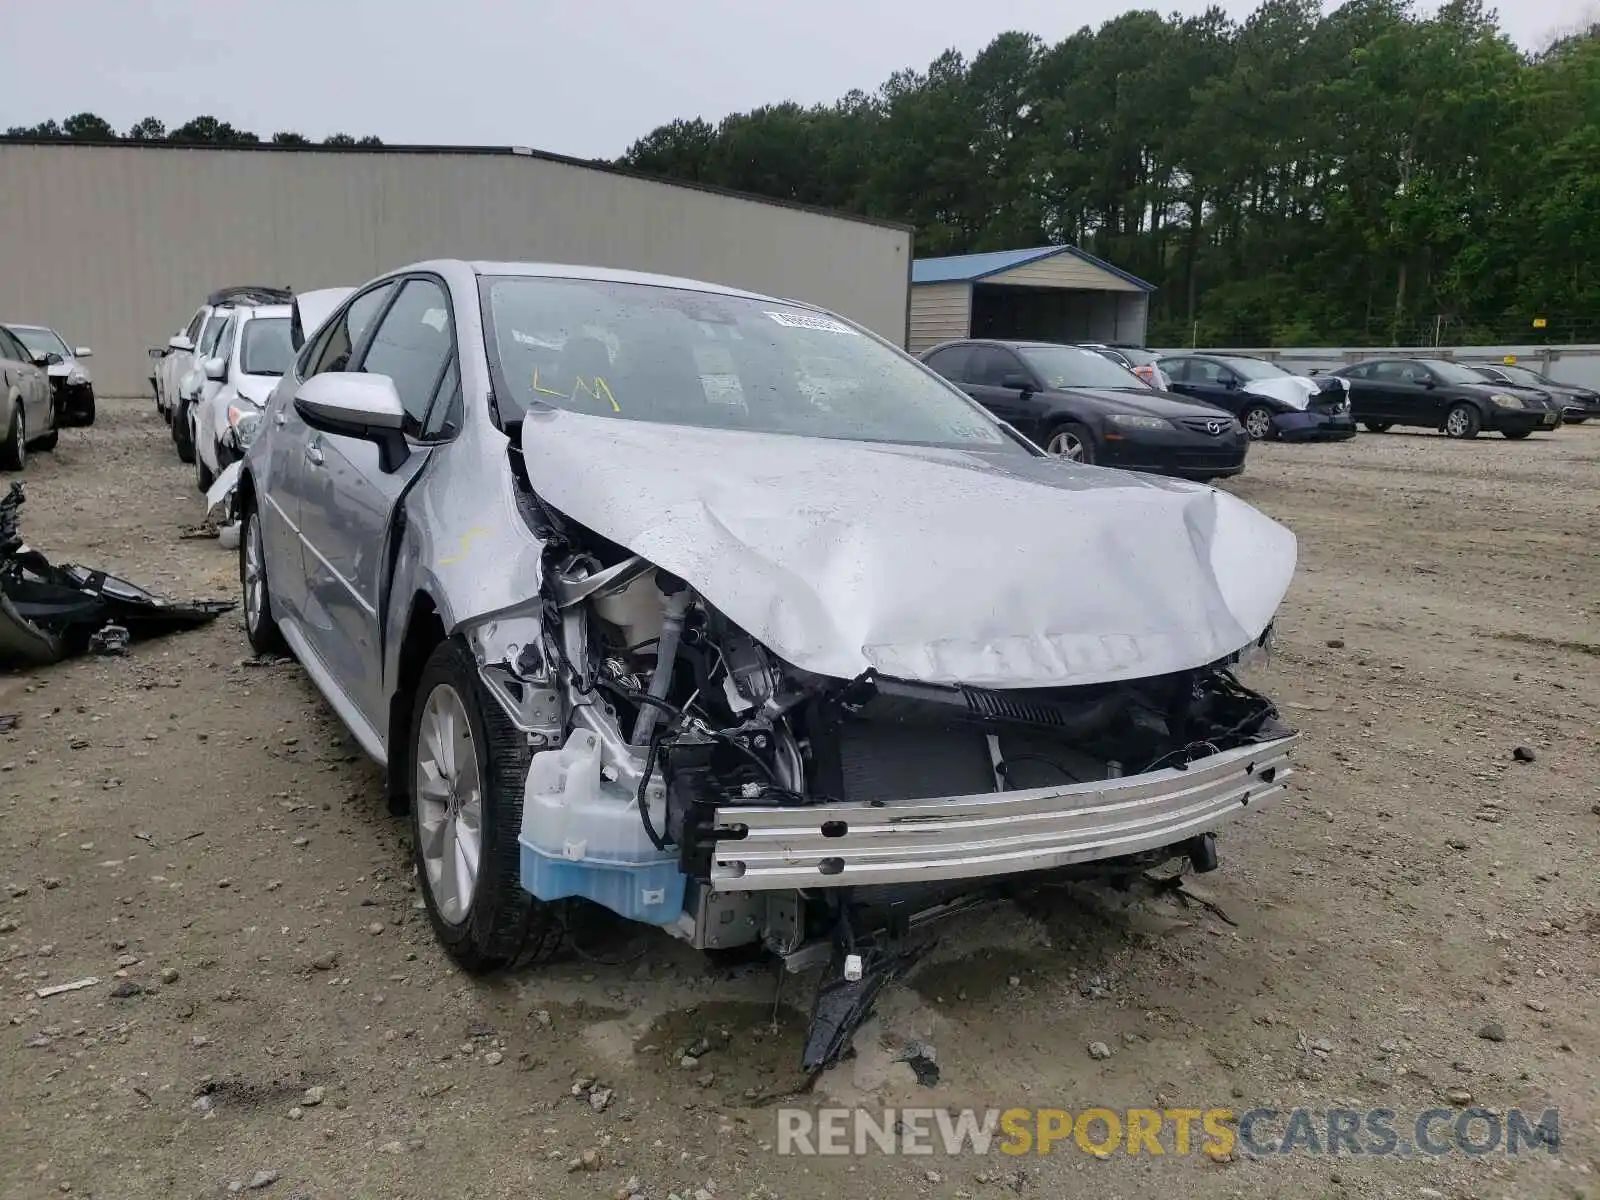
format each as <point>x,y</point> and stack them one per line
<point>1378,426</point>
<point>1071,441</point>
<point>469,764</point>
<point>1257,422</point>
<point>259,626</point>
<point>1515,435</point>
<point>14,450</point>
<point>1462,421</point>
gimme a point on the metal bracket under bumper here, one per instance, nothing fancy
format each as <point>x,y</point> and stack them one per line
<point>1003,833</point>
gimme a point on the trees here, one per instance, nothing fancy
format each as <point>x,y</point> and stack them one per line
<point>203,130</point>
<point>1372,174</point>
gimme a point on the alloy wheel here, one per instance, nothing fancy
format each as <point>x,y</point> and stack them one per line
<point>449,799</point>
<point>1456,423</point>
<point>1258,423</point>
<point>1068,445</point>
<point>255,567</point>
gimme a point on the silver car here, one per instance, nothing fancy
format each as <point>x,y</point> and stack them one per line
<point>71,385</point>
<point>722,613</point>
<point>29,413</point>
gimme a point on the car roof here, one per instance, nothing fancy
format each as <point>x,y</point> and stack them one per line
<point>253,311</point>
<point>21,325</point>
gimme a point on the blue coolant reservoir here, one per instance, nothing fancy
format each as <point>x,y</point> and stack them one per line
<point>582,836</point>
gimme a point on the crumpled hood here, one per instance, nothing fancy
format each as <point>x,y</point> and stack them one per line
<point>941,566</point>
<point>1294,390</point>
<point>256,388</point>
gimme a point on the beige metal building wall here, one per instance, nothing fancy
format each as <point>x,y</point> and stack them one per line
<point>940,312</point>
<point>116,245</point>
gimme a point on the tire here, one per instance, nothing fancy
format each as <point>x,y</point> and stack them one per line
<point>14,450</point>
<point>489,923</point>
<point>1575,420</point>
<point>203,476</point>
<point>182,435</point>
<point>1378,426</point>
<point>1257,422</point>
<point>259,626</point>
<point>1515,435</point>
<point>1072,442</point>
<point>49,440</point>
<point>1462,421</point>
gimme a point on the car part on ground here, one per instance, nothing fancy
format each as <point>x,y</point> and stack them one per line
<point>1082,404</point>
<point>50,612</point>
<point>1269,401</point>
<point>621,634</point>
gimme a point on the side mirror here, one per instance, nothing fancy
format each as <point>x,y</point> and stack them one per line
<point>1429,382</point>
<point>1231,382</point>
<point>358,406</point>
<point>157,352</point>
<point>39,358</point>
<point>83,352</point>
<point>180,342</point>
<point>216,369</point>
<point>52,359</point>
<point>1016,381</point>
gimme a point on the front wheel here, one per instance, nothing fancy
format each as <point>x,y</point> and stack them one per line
<point>469,764</point>
<point>1575,420</point>
<point>204,477</point>
<point>1462,421</point>
<point>1072,442</point>
<point>1257,422</point>
<point>1378,426</point>
<point>183,432</point>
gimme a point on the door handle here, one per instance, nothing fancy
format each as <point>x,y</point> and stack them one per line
<point>314,456</point>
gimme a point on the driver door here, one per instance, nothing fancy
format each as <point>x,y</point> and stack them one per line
<point>988,371</point>
<point>348,500</point>
<point>175,363</point>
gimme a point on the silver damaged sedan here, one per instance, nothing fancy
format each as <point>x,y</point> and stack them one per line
<point>721,613</point>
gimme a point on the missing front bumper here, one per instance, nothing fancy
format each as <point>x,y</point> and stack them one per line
<point>763,848</point>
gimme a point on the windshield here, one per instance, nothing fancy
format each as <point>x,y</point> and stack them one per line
<point>208,339</point>
<point>41,341</point>
<point>1071,367</point>
<point>265,348</point>
<point>1518,375</point>
<point>1451,372</point>
<point>635,352</point>
<point>1254,368</point>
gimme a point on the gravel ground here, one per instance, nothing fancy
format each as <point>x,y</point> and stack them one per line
<point>1418,921</point>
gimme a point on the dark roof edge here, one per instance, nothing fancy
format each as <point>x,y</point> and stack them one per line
<point>1144,285</point>
<point>510,151</point>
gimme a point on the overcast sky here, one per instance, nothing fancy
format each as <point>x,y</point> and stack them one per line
<point>577,78</point>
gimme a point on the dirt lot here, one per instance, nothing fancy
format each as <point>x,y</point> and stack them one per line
<point>1418,922</point>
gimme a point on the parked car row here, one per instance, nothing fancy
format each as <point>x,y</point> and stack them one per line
<point>44,387</point>
<point>212,379</point>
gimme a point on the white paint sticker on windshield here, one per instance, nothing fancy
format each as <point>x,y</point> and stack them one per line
<point>810,321</point>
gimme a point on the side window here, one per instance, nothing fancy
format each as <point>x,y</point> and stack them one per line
<point>1388,372</point>
<point>1175,369</point>
<point>1203,370</point>
<point>195,324</point>
<point>212,337</point>
<point>332,350</point>
<point>444,413</point>
<point>412,345</point>
<point>990,364</point>
<point>1414,373</point>
<point>222,343</point>
<point>1356,372</point>
<point>951,362</point>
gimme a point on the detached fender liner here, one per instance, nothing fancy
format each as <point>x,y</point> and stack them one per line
<point>764,848</point>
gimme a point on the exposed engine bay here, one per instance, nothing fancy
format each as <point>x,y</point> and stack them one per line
<point>665,735</point>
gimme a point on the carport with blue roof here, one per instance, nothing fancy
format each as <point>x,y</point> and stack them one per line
<point>1053,293</point>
